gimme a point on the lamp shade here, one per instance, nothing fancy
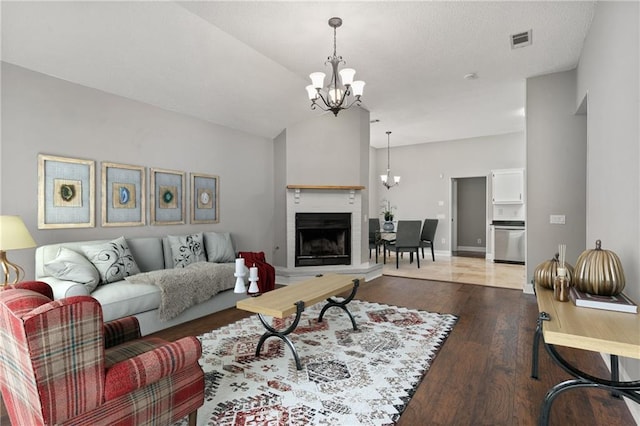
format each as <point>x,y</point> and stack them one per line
<point>14,235</point>
<point>312,92</point>
<point>346,75</point>
<point>358,87</point>
<point>317,79</point>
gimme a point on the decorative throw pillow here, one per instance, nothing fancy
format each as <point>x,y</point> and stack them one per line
<point>70,265</point>
<point>219,247</point>
<point>186,249</point>
<point>113,260</point>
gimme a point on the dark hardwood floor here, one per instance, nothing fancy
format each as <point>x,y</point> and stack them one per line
<point>481,376</point>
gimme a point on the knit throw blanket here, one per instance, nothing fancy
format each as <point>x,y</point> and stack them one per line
<point>181,288</point>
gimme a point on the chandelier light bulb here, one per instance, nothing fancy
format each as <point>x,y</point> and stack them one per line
<point>335,95</point>
<point>342,92</point>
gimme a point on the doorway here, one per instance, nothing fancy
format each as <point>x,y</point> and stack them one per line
<point>469,229</point>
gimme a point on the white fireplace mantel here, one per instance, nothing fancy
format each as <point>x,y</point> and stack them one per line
<point>298,189</point>
<point>338,187</point>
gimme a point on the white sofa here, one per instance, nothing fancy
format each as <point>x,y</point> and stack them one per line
<point>122,298</point>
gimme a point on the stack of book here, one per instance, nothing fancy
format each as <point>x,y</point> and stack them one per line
<point>620,302</point>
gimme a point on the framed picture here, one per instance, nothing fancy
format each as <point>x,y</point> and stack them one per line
<point>123,195</point>
<point>66,192</point>
<point>167,197</point>
<point>204,198</point>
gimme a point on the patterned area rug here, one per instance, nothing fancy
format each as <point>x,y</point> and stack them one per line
<point>363,377</point>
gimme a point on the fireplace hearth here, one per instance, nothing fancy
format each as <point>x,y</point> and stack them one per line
<point>323,239</point>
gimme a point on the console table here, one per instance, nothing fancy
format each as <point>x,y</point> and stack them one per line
<point>292,299</point>
<point>564,324</point>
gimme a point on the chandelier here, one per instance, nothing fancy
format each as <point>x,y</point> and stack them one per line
<point>386,179</point>
<point>335,96</point>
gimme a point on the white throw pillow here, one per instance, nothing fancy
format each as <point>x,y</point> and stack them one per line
<point>219,247</point>
<point>70,265</point>
<point>186,249</point>
<point>113,260</point>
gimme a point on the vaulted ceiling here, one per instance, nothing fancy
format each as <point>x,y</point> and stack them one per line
<point>245,64</point>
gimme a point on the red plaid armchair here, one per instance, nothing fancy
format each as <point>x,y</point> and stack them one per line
<point>60,364</point>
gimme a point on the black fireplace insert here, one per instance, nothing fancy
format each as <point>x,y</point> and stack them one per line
<point>323,239</point>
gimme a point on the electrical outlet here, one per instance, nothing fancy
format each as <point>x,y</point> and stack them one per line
<point>444,241</point>
<point>479,240</point>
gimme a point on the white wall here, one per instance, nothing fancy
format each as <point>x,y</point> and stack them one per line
<point>325,150</point>
<point>280,197</point>
<point>42,114</point>
<point>328,150</point>
<point>556,169</point>
<point>608,74</point>
<point>421,167</point>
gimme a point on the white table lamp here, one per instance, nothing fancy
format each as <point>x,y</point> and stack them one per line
<point>14,235</point>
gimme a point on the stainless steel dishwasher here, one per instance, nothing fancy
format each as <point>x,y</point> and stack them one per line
<point>509,241</point>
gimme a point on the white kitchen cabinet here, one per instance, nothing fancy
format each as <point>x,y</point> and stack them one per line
<point>508,186</point>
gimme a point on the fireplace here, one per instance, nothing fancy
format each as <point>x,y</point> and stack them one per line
<point>323,239</point>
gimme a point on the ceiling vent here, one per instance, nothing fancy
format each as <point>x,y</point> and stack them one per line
<point>521,39</point>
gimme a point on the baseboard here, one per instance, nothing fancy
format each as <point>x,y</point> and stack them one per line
<point>473,249</point>
<point>634,408</point>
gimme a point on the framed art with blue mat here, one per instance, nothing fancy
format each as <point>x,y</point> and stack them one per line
<point>205,198</point>
<point>168,203</point>
<point>123,195</point>
<point>66,192</point>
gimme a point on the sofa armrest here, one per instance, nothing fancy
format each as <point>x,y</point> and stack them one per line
<point>149,367</point>
<point>121,330</point>
<point>63,289</point>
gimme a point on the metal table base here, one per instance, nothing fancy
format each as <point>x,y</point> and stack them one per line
<point>582,379</point>
<point>283,334</point>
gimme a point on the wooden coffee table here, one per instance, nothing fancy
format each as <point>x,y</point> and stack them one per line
<point>292,299</point>
<point>564,324</point>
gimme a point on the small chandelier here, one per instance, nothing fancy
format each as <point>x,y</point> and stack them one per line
<point>334,97</point>
<point>386,179</point>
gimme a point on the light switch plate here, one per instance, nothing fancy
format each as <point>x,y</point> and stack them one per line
<point>557,219</point>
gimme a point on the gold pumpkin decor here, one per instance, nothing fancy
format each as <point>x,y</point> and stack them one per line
<point>599,272</point>
<point>547,271</point>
